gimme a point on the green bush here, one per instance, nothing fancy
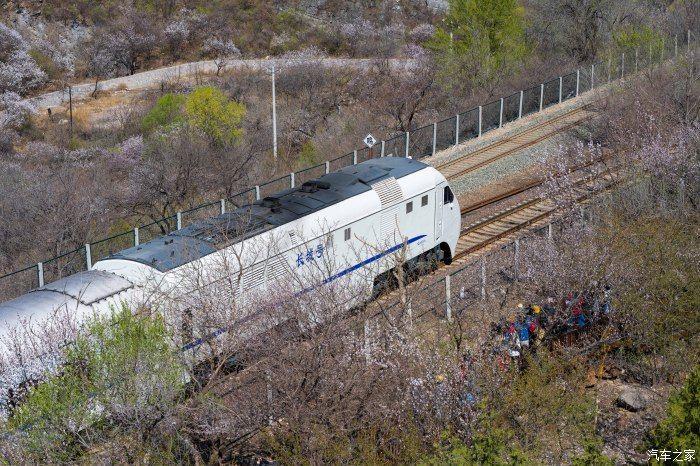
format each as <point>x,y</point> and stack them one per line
<point>166,111</point>
<point>119,377</point>
<point>681,428</point>
<point>210,111</point>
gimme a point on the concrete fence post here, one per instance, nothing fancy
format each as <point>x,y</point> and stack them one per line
<point>137,240</point>
<point>636,60</point>
<point>516,259</point>
<point>408,137</point>
<point>480,113</point>
<point>578,80</point>
<point>291,180</point>
<point>483,278</point>
<point>328,167</point>
<point>40,273</point>
<point>354,157</point>
<point>609,70</point>
<point>448,296</point>
<point>681,194</point>
<point>257,192</point>
<point>222,206</point>
<point>88,256</point>
<point>561,87</point>
<point>268,389</point>
<point>457,129</point>
<point>368,342</point>
<point>178,217</point>
<point>688,40</point>
<point>500,115</point>
<point>592,75</point>
<point>520,107</point>
<point>663,49</point>
<point>434,138</point>
<point>675,45</point>
<point>651,60</point>
<point>382,151</point>
<point>549,230</point>
<point>541,95</point>
<point>622,66</point>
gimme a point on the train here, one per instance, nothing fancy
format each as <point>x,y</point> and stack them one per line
<point>343,229</point>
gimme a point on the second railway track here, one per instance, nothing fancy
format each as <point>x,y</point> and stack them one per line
<point>507,146</point>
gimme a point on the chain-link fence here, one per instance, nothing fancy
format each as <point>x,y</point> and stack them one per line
<point>419,143</point>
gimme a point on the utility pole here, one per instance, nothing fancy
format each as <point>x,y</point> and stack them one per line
<point>274,115</point>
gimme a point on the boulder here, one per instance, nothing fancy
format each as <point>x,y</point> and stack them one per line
<point>633,399</point>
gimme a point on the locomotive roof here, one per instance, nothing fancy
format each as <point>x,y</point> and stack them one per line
<point>205,237</point>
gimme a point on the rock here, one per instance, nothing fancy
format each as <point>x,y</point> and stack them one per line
<point>612,372</point>
<point>632,399</point>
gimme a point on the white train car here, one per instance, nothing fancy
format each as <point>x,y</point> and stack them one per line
<point>348,228</point>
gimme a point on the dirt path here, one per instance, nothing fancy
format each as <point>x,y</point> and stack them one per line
<point>153,78</point>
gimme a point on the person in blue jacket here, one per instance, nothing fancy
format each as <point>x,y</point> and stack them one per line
<point>523,333</point>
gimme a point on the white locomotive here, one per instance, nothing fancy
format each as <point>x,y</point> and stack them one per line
<point>345,227</point>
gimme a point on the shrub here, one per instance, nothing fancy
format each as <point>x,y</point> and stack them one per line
<point>681,428</point>
<point>166,111</point>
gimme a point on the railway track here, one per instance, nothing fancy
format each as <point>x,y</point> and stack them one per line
<point>515,218</point>
<point>519,141</point>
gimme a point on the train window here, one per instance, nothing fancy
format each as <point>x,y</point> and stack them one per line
<point>409,207</point>
<point>448,197</point>
<point>424,201</point>
<point>347,234</point>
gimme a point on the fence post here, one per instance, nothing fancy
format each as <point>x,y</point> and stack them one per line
<point>561,86</point>
<point>609,69</point>
<point>179,220</point>
<point>516,258</point>
<point>483,278</point>
<point>434,137</point>
<point>480,112</point>
<point>137,240</point>
<point>268,389</point>
<point>541,95</point>
<point>382,153</point>
<point>578,80</point>
<point>651,61</point>
<point>257,192</point>
<point>663,49</point>
<point>549,230</point>
<point>408,136</point>
<point>88,256</point>
<point>622,66</point>
<point>448,296</point>
<point>291,180</point>
<point>457,129</point>
<point>592,74</point>
<point>367,342</point>
<point>222,206</point>
<point>500,115</point>
<point>636,60</point>
<point>354,157</point>
<point>681,193</point>
<point>688,40</point>
<point>520,108</point>
<point>675,45</point>
<point>40,273</point>
<point>328,167</point>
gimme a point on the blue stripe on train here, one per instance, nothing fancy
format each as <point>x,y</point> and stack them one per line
<point>330,279</point>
